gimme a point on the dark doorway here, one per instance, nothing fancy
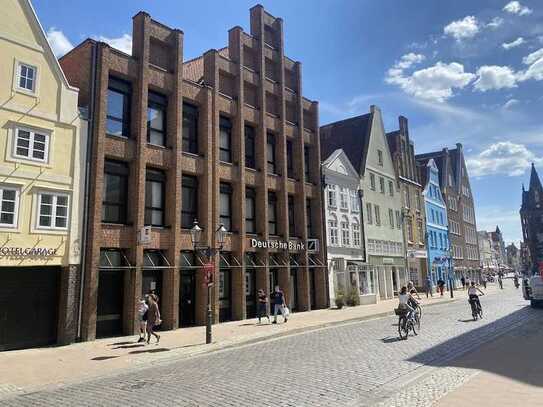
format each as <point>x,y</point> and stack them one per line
<point>250,293</point>
<point>274,279</point>
<point>293,289</point>
<point>152,281</point>
<point>28,306</point>
<point>187,289</point>
<point>225,289</point>
<point>109,316</point>
<point>312,289</point>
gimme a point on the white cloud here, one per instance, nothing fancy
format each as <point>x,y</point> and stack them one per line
<point>533,57</point>
<point>514,7</point>
<point>59,42</point>
<point>508,45</point>
<point>495,77</point>
<point>466,28</point>
<point>122,43</point>
<point>502,158</point>
<point>433,83</point>
<point>495,22</point>
<point>510,103</point>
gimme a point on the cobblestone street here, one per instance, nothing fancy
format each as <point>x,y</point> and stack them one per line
<point>361,363</point>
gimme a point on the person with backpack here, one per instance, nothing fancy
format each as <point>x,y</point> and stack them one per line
<point>279,304</point>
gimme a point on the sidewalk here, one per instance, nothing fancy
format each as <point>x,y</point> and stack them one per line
<point>32,369</point>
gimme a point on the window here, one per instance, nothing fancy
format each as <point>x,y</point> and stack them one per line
<point>377,215</point>
<point>53,211</point>
<point>306,164</point>
<point>250,157</point>
<point>291,223</point>
<point>418,201</point>
<point>382,185</point>
<point>345,232</point>
<point>410,234</point>
<point>372,181</point>
<point>369,216</point>
<point>420,231</point>
<point>189,201</point>
<point>26,77</point>
<point>391,218</point>
<point>225,215</point>
<point>155,182</point>
<point>355,203</point>
<point>156,119</point>
<point>332,196</point>
<point>433,216</point>
<point>332,225</point>
<point>270,154</point>
<point>390,188</point>
<point>250,210</point>
<point>380,157</point>
<point>225,140</point>
<point>190,128</point>
<point>9,204</point>
<point>343,198</point>
<point>441,241</point>
<point>398,220</point>
<point>356,234</point>
<point>290,162</point>
<point>407,198</point>
<point>118,108</point>
<point>31,145</point>
<point>115,195</point>
<point>272,213</point>
<point>309,214</point>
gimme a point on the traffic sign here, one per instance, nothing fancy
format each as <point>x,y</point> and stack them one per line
<point>208,270</point>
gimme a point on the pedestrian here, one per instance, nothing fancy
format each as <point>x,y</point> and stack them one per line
<point>463,281</point>
<point>500,281</point>
<point>153,318</point>
<point>428,287</point>
<point>143,310</point>
<point>483,281</point>
<point>262,306</point>
<point>279,304</point>
<point>441,286</point>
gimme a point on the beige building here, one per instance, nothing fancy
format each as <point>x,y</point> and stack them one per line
<point>40,156</point>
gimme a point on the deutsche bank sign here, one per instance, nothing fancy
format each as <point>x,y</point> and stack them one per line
<point>277,244</point>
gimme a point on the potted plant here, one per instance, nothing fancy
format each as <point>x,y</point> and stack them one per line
<point>340,299</point>
<point>352,298</point>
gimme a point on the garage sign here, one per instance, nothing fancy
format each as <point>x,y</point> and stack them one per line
<point>27,252</point>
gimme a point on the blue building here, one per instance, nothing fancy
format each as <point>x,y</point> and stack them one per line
<point>437,230</point>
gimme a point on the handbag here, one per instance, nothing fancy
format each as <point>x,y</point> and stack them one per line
<point>286,312</point>
<point>158,322</point>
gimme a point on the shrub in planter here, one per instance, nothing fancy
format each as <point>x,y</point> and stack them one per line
<point>352,298</point>
<point>340,299</point>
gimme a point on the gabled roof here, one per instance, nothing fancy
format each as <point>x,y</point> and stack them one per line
<point>341,155</point>
<point>352,135</point>
<point>27,5</point>
<point>439,158</point>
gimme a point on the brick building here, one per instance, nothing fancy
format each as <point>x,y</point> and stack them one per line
<point>225,138</point>
<point>402,150</point>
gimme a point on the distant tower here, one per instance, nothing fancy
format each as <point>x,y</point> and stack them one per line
<point>531,215</point>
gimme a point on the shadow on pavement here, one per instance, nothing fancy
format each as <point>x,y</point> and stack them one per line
<point>99,358</point>
<point>515,354</point>
<point>391,339</point>
<point>134,345</point>
<point>467,320</point>
<point>155,350</point>
<point>119,343</point>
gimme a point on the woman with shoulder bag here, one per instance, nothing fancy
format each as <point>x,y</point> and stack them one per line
<point>153,318</point>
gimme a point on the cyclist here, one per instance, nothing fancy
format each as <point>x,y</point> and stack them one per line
<point>404,299</point>
<point>472,294</point>
<point>413,292</point>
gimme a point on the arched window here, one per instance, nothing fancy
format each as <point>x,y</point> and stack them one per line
<point>345,232</point>
<point>356,233</point>
<point>333,230</point>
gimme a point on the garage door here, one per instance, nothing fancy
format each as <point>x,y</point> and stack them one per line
<point>28,306</point>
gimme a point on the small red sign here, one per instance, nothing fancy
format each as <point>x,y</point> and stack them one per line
<point>208,270</point>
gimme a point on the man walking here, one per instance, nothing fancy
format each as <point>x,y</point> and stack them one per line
<point>441,286</point>
<point>428,287</point>
<point>279,304</point>
<point>463,281</point>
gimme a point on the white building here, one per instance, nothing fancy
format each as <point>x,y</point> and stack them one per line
<point>347,269</point>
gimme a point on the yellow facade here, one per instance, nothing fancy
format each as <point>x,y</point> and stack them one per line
<point>40,147</point>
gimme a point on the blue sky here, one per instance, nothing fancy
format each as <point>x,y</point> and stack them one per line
<point>463,71</point>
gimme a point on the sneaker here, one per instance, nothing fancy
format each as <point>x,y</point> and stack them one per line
<point>286,320</point>
<point>274,322</point>
<point>141,340</point>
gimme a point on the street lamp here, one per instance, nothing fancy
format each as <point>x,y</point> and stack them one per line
<point>196,237</point>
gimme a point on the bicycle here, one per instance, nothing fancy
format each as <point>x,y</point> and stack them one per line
<point>406,324</point>
<point>476,309</point>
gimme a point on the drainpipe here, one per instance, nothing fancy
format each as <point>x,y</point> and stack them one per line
<point>90,132</point>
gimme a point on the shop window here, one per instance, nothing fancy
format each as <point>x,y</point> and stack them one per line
<point>225,140</point>
<point>155,188</point>
<point>190,128</point>
<point>156,119</point>
<point>189,201</point>
<point>118,108</point>
<point>114,203</point>
<point>53,211</point>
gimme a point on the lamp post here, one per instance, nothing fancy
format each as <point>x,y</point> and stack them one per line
<point>210,252</point>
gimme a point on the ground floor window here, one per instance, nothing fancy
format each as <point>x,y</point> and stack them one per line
<point>366,282</point>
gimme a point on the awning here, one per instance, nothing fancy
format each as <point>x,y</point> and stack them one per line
<point>108,262</point>
<point>277,261</point>
<point>229,261</point>
<point>189,261</point>
<point>155,259</point>
<point>253,261</point>
<point>315,262</point>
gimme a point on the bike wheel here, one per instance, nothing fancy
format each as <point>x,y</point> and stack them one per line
<point>402,327</point>
<point>418,312</point>
<point>412,325</point>
<point>417,322</point>
<point>480,313</point>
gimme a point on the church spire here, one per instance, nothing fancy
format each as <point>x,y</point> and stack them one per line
<point>535,183</point>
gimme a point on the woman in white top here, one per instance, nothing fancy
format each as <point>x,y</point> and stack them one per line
<point>473,293</point>
<point>404,298</point>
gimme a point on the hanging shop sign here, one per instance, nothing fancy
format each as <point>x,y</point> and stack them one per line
<point>277,244</point>
<point>416,254</point>
<point>27,252</point>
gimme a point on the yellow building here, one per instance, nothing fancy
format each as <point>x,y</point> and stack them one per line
<point>41,156</point>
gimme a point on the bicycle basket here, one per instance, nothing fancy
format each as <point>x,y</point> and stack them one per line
<point>400,311</point>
